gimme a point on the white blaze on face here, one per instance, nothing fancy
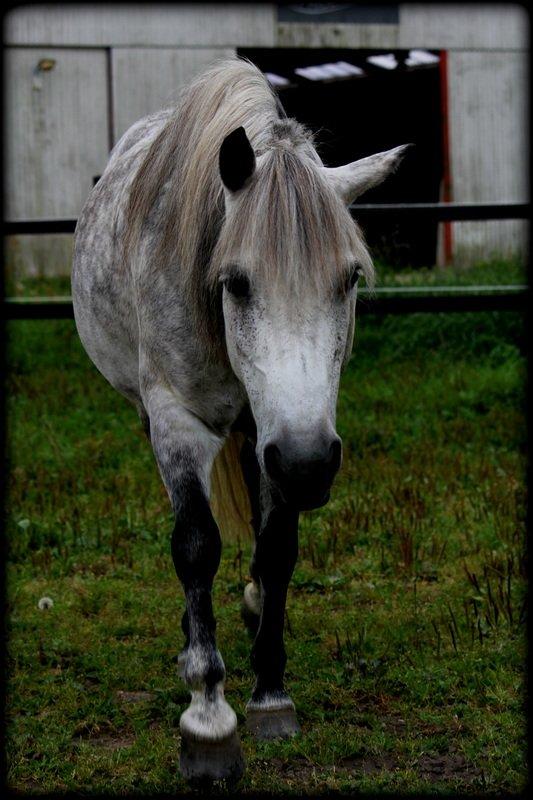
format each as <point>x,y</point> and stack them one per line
<point>288,353</point>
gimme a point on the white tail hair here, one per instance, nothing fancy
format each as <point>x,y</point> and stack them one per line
<point>230,502</point>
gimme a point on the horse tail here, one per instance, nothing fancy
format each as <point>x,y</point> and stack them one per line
<point>229,495</point>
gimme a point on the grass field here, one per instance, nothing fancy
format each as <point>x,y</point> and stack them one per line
<point>405,623</point>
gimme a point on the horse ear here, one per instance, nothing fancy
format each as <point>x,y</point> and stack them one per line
<point>236,160</point>
<point>353,179</point>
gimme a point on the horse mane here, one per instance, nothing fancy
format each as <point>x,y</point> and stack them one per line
<point>289,210</point>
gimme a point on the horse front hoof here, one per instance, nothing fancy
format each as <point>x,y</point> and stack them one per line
<point>204,762</point>
<point>272,724</point>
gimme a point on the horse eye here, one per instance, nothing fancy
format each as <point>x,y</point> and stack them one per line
<point>352,279</point>
<point>238,285</point>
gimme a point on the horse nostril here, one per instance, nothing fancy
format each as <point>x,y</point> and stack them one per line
<point>303,476</point>
<point>334,455</point>
<point>272,459</point>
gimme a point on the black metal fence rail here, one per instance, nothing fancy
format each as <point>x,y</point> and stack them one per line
<point>423,212</point>
<point>381,301</point>
<point>426,299</point>
<point>441,212</point>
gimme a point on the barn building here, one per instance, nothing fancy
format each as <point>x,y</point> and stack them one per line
<point>452,78</point>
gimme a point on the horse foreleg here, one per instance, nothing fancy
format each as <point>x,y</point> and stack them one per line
<point>185,451</point>
<point>210,747</point>
<point>270,712</point>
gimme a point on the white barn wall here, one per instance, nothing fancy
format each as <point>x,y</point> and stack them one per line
<point>134,59</point>
<point>489,146</point>
<point>57,133</point>
<point>472,26</point>
<point>147,79</point>
<point>143,25</point>
<point>467,26</point>
<point>334,34</point>
<point>56,141</point>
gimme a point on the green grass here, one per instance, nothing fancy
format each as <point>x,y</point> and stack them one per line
<point>405,622</point>
<point>483,273</point>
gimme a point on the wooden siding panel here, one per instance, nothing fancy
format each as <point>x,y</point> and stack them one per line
<point>56,133</point>
<point>330,34</point>
<point>171,25</point>
<point>148,79</point>
<point>489,145</point>
<point>45,255</point>
<point>431,25</point>
<point>464,26</point>
<point>56,141</point>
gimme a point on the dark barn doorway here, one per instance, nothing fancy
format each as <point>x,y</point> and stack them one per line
<point>389,101</point>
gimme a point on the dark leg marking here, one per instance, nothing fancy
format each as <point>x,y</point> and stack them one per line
<point>270,712</point>
<point>275,557</point>
<point>210,747</point>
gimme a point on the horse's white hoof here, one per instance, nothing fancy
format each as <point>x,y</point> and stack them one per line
<point>209,718</point>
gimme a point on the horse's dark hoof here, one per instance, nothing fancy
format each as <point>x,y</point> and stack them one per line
<point>272,724</point>
<point>202,763</point>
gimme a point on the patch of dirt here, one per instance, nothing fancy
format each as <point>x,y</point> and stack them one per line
<point>368,765</point>
<point>296,769</point>
<point>103,736</point>
<point>364,700</point>
<point>393,724</point>
<point>111,742</point>
<point>28,785</point>
<point>107,741</point>
<point>447,767</point>
<point>443,767</point>
<point>135,697</point>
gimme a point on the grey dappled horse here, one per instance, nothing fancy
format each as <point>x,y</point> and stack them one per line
<point>214,285</point>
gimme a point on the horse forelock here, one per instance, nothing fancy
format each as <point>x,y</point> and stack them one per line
<point>291,224</point>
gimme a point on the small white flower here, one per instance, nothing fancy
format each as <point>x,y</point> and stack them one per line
<point>44,603</point>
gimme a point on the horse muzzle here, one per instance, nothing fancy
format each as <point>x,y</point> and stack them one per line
<point>302,479</point>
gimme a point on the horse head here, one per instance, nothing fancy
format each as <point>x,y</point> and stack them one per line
<point>288,260</point>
